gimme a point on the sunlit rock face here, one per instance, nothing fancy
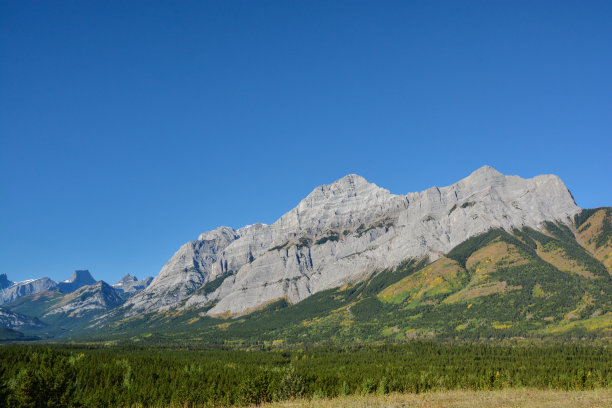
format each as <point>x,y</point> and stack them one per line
<point>342,232</point>
<point>25,288</point>
<point>96,298</point>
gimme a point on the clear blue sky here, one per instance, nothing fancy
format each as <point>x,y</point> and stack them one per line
<point>127,128</point>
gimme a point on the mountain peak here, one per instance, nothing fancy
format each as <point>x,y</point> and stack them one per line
<point>350,185</point>
<point>81,276</point>
<point>486,169</point>
<point>219,233</point>
<point>128,278</point>
<point>4,281</point>
<point>483,177</point>
<point>351,179</point>
<point>130,284</point>
<point>78,279</point>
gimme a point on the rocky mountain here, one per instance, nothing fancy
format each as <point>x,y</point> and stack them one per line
<point>25,288</point>
<point>130,284</point>
<point>5,282</point>
<point>342,233</point>
<point>64,313</point>
<point>99,297</point>
<point>491,256</point>
<point>13,291</point>
<point>498,284</point>
<point>12,320</point>
<point>78,279</point>
<point>50,307</point>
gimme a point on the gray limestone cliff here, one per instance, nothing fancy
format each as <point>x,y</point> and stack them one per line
<point>343,232</point>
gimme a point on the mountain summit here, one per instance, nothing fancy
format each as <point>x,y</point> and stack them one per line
<point>131,284</point>
<point>343,232</point>
<point>78,279</point>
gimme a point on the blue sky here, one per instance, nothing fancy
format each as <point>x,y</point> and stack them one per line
<point>127,128</point>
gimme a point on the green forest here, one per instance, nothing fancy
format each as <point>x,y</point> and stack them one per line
<point>73,376</point>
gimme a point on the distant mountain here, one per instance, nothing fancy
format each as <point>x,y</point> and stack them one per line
<point>12,320</point>
<point>5,282</point>
<point>67,304</point>
<point>78,279</point>
<point>130,284</point>
<point>25,288</point>
<point>86,300</point>
<point>70,311</point>
<point>13,291</point>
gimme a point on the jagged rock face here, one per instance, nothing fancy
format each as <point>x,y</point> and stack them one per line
<point>186,271</point>
<point>342,232</point>
<point>13,320</point>
<point>98,297</point>
<point>5,282</point>
<point>130,284</point>
<point>25,288</point>
<point>78,279</point>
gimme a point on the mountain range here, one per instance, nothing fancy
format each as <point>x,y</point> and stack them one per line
<point>60,304</point>
<point>489,256</point>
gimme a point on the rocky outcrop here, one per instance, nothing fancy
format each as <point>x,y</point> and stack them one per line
<point>189,268</point>
<point>78,279</point>
<point>5,282</point>
<point>342,232</point>
<point>130,284</point>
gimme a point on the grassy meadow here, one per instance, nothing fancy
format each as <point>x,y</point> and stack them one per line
<point>512,398</point>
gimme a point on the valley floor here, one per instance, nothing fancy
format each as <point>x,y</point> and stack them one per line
<point>514,398</point>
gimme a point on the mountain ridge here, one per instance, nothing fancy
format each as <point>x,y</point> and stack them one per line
<point>495,285</point>
<point>345,226</point>
<point>491,256</point>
